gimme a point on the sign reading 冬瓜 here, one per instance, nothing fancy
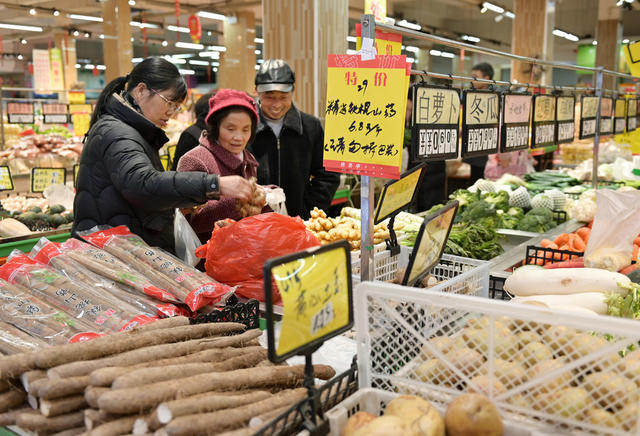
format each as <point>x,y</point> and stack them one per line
<point>516,113</point>
<point>436,117</point>
<point>565,117</point>
<point>480,123</point>
<point>544,121</point>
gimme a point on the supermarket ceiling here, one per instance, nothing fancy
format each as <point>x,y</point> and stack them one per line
<point>451,18</point>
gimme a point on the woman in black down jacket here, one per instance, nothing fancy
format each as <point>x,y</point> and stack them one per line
<point>121,180</point>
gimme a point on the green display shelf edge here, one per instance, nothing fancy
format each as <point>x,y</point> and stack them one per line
<point>27,244</point>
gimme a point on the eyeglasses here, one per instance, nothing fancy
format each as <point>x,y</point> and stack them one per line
<point>173,106</point>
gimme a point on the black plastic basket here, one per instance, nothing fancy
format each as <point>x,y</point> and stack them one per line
<point>246,313</point>
<point>327,397</point>
<point>542,256</point>
<point>559,216</point>
<point>496,288</point>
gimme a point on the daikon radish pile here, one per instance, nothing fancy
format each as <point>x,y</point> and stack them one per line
<point>527,281</point>
<point>593,301</point>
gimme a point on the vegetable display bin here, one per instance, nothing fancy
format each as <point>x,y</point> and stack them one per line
<point>558,372</point>
<point>25,245</point>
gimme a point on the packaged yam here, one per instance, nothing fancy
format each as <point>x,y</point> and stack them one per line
<point>193,287</point>
<point>13,340</point>
<point>74,298</point>
<point>61,258</point>
<point>21,309</point>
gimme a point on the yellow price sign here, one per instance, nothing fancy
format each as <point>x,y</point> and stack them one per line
<point>6,181</point>
<point>315,287</point>
<point>430,242</point>
<point>632,115</point>
<point>588,113</point>
<point>76,168</point>
<point>544,121</point>
<point>165,161</point>
<point>42,178</point>
<point>77,97</point>
<point>80,124</point>
<point>377,8</point>
<point>632,55</point>
<point>620,115</point>
<point>398,194</point>
<point>565,116</point>
<point>171,150</point>
<point>385,43</point>
<point>365,115</point>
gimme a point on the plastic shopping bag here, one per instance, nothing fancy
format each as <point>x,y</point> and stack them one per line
<point>615,226</point>
<point>276,199</point>
<point>236,253</point>
<point>186,240</point>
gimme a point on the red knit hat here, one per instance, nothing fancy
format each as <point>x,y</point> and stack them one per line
<point>231,97</point>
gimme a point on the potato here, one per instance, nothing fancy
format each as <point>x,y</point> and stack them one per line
<point>468,361</point>
<point>518,400</point>
<point>433,371</point>
<point>630,368</point>
<point>557,337</point>
<point>584,344</point>
<point>505,344</point>
<point>419,416</point>
<point>357,420</point>
<point>510,374</point>
<point>541,369</point>
<point>629,416</point>
<point>484,384</point>
<point>568,403</point>
<point>443,344</point>
<point>525,338</point>
<point>533,353</point>
<point>603,418</point>
<point>484,321</point>
<point>610,390</point>
<point>384,426</point>
<point>473,415</point>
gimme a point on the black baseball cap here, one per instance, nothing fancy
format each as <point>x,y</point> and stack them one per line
<point>275,75</point>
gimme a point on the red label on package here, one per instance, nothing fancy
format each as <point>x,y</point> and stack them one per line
<point>100,238</point>
<point>169,310</point>
<point>86,336</point>
<point>209,293</point>
<point>8,270</point>
<point>47,252</point>
<point>138,321</point>
<point>160,294</point>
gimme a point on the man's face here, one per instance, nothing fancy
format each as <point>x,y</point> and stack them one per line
<point>477,74</point>
<point>275,104</point>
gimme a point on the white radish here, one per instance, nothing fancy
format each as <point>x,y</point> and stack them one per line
<point>564,281</point>
<point>593,301</point>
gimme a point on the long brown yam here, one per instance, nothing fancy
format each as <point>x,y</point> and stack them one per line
<point>71,432</point>
<point>37,422</point>
<point>115,428</point>
<point>16,364</point>
<point>94,418</point>
<point>5,385</point>
<point>136,399</point>
<point>212,423</point>
<point>10,417</point>
<point>11,399</point>
<point>210,402</point>
<point>259,423</point>
<point>106,376</point>
<point>63,405</point>
<point>141,425</point>
<point>30,376</point>
<point>91,394</point>
<point>152,353</point>
<point>166,323</point>
<point>63,387</point>
<point>120,342</point>
<point>147,376</point>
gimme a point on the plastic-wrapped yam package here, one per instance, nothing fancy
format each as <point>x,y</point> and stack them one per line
<point>74,298</point>
<point>13,340</point>
<point>191,286</point>
<point>60,257</point>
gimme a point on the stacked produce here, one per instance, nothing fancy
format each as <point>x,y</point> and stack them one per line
<point>346,227</point>
<point>17,204</point>
<point>167,377</point>
<point>41,150</point>
<point>21,216</point>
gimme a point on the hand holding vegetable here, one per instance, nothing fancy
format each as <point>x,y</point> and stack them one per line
<point>256,202</point>
<point>236,187</point>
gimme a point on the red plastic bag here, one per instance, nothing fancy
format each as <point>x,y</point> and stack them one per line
<point>236,253</point>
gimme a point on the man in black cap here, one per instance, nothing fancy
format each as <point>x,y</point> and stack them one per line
<point>289,143</point>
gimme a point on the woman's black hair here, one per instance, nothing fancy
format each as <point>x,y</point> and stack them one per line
<point>201,108</point>
<point>213,126</point>
<point>157,73</point>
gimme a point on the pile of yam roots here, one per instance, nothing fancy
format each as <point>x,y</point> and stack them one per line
<point>164,378</point>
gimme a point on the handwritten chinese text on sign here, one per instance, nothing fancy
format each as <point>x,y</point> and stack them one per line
<point>588,112</point>
<point>516,113</point>
<point>6,181</point>
<point>398,194</point>
<point>385,43</point>
<point>436,117</point>
<point>620,115</point>
<point>544,124</point>
<point>480,123</point>
<point>606,116</point>
<point>42,178</point>
<point>632,114</point>
<point>565,116</point>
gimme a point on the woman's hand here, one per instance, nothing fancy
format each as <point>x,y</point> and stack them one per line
<point>235,187</point>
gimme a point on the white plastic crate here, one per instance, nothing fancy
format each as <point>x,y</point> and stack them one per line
<point>375,400</point>
<point>560,372</point>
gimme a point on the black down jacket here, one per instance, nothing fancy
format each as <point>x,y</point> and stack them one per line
<point>294,162</point>
<point>121,180</point>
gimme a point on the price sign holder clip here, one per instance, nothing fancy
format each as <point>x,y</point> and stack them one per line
<point>317,304</point>
<point>392,242</point>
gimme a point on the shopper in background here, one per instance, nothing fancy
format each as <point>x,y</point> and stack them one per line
<point>121,180</point>
<point>230,126</point>
<point>190,138</point>
<point>289,143</point>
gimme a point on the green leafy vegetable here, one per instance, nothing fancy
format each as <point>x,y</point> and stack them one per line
<point>499,200</point>
<point>625,306</point>
<point>538,219</point>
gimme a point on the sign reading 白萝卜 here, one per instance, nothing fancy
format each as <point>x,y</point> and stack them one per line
<point>480,123</point>
<point>544,121</point>
<point>436,117</point>
<point>516,113</point>
<point>565,118</point>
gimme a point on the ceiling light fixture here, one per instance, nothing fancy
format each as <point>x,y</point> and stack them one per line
<point>197,62</point>
<point>215,69</point>
<point>89,67</point>
<point>175,60</point>
<point>136,60</point>
<point>483,10</point>
<point>217,47</point>
<point>20,57</point>
<point>410,60</point>
<point>210,54</point>
<point>132,2</point>
<point>56,12</point>
<point>178,29</point>
<point>565,35</point>
<point>498,18</point>
<point>101,36</point>
<point>32,11</point>
<point>183,55</point>
<point>495,8</point>
<point>258,40</point>
<point>78,66</point>
<point>20,27</point>
<point>23,41</point>
<point>87,34</point>
<point>76,33</point>
<point>211,15</point>
<point>352,39</point>
<point>143,25</point>
<point>164,43</point>
<point>190,45</point>
<point>257,52</point>
<point>187,72</point>
<point>412,49</point>
<point>408,25</point>
<point>625,41</point>
<point>101,67</point>
<point>470,38</point>
<point>509,14</point>
<point>594,43</point>
<point>85,18</point>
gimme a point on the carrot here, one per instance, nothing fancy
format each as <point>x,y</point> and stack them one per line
<point>637,240</point>
<point>577,244</point>
<point>577,262</point>
<point>584,233</point>
<point>634,256</point>
<point>565,256</point>
<point>562,239</point>
<point>628,269</point>
<point>545,243</point>
<point>590,225</point>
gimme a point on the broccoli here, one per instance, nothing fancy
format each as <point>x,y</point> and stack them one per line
<point>477,210</point>
<point>507,220</point>
<point>538,219</point>
<point>464,197</point>
<point>499,199</point>
<point>434,209</point>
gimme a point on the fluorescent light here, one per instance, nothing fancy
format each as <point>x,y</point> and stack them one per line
<point>178,29</point>
<point>351,51</point>
<point>435,52</point>
<point>492,7</point>
<point>446,54</point>
<point>566,35</point>
<point>595,43</point>
<point>132,2</point>
<point>187,72</point>
<point>260,61</point>
<point>351,39</point>
<point>210,54</point>
<point>89,67</point>
<point>258,40</point>
<point>20,27</point>
<point>190,45</point>
<point>509,14</point>
<point>412,49</point>
<point>196,62</point>
<point>217,47</point>
<point>20,57</point>
<point>56,12</point>
<point>175,60</point>
<point>164,43</point>
<point>257,52</point>
<point>408,25</point>
<point>184,55</point>
<point>498,18</point>
<point>483,10</point>
<point>619,2</point>
<point>215,69</point>
<point>101,67</point>
<point>470,38</point>
<point>101,36</point>
<point>132,39</point>
<point>215,64</point>
<point>23,41</point>
<point>32,11</point>
<point>144,25</point>
<point>136,60</point>
<point>85,18</point>
<point>87,34</point>
<point>410,60</point>
<point>211,16</point>
<point>625,41</point>
<point>78,66</point>
<point>257,67</point>
<point>76,33</point>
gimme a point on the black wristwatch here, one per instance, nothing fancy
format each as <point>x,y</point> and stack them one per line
<point>213,188</point>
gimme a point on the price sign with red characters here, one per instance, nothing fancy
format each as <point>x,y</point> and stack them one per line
<point>365,115</point>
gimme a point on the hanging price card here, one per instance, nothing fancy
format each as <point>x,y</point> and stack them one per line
<point>365,115</point>
<point>430,242</point>
<point>42,178</point>
<point>565,117</point>
<point>436,117</point>
<point>171,150</point>
<point>516,114</point>
<point>55,113</point>
<point>77,97</point>
<point>544,121</point>
<point>632,55</point>
<point>385,43</point>
<point>606,116</point>
<point>637,112</point>
<point>6,181</point>
<point>20,113</point>
<point>164,159</point>
<point>480,123</point>
<point>315,286</point>
<point>76,168</point>
<point>588,112</point>
<point>398,194</point>
<point>632,114</point>
<point>620,116</point>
